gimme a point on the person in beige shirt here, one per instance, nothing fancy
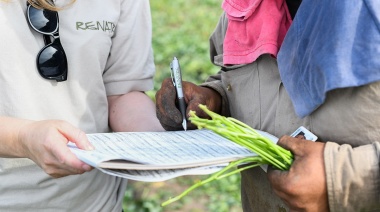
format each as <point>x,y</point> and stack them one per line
<point>88,76</point>
<point>339,172</point>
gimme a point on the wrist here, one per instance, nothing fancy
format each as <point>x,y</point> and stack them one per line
<point>215,99</point>
<point>10,141</point>
<point>19,141</point>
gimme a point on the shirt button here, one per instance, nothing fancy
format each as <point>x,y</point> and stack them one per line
<point>229,87</point>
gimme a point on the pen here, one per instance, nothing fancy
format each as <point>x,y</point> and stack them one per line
<point>177,81</point>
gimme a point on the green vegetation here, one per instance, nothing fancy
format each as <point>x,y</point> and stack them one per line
<point>242,134</point>
<point>219,196</point>
<point>182,28</point>
<point>268,153</point>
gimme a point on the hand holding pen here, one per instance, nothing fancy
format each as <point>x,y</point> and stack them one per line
<point>170,100</point>
<point>177,81</point>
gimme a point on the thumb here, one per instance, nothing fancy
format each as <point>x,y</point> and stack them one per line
<point>295,145</point>
<point>76,136</point>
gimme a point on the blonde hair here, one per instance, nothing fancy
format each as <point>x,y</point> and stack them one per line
<point>47,4</point>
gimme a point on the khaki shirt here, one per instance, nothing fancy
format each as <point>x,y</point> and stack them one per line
<point>109,52</point>
<point>348,122</point>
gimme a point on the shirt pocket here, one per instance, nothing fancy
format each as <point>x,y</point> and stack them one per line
<point>241,86</point>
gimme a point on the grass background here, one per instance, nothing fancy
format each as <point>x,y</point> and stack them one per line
<point>182,28</point>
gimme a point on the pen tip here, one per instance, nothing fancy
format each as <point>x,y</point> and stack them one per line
<point>184,124</point>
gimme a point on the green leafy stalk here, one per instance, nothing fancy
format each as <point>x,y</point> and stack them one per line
<point>267,152</point>
<point>246,136</point>
<point>225,172</point>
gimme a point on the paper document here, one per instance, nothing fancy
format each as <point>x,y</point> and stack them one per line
<point>157,156</point>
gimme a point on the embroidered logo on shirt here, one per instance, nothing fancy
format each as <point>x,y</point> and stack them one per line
<point>104,26</point>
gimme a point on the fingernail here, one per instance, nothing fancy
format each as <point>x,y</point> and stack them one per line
<point>90,147</point>
<point>86,167</point>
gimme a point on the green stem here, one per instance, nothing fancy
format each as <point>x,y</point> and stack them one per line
<point>218,175</point>
<point>242,134</point>
<point>246,136</point>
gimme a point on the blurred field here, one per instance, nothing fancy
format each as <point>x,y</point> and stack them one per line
<point>218,196</point>
<point>182,28</point>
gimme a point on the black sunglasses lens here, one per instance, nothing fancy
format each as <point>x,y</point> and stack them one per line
<point>43,20</point>
<point>52,62</point>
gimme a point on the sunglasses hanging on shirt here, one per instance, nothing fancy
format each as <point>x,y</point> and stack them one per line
<point>51,60</point>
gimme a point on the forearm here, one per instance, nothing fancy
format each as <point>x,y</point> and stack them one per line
<point>353,176</point>
<point>133,111</point>
<point>9,137</point>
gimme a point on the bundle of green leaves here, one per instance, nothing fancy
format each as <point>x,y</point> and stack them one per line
<point>268,153</point>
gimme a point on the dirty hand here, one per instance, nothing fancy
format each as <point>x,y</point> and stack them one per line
<point>166,106</point>
<point>303,187</point>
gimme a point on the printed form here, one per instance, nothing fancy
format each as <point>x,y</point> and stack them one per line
<point>158,156</point>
